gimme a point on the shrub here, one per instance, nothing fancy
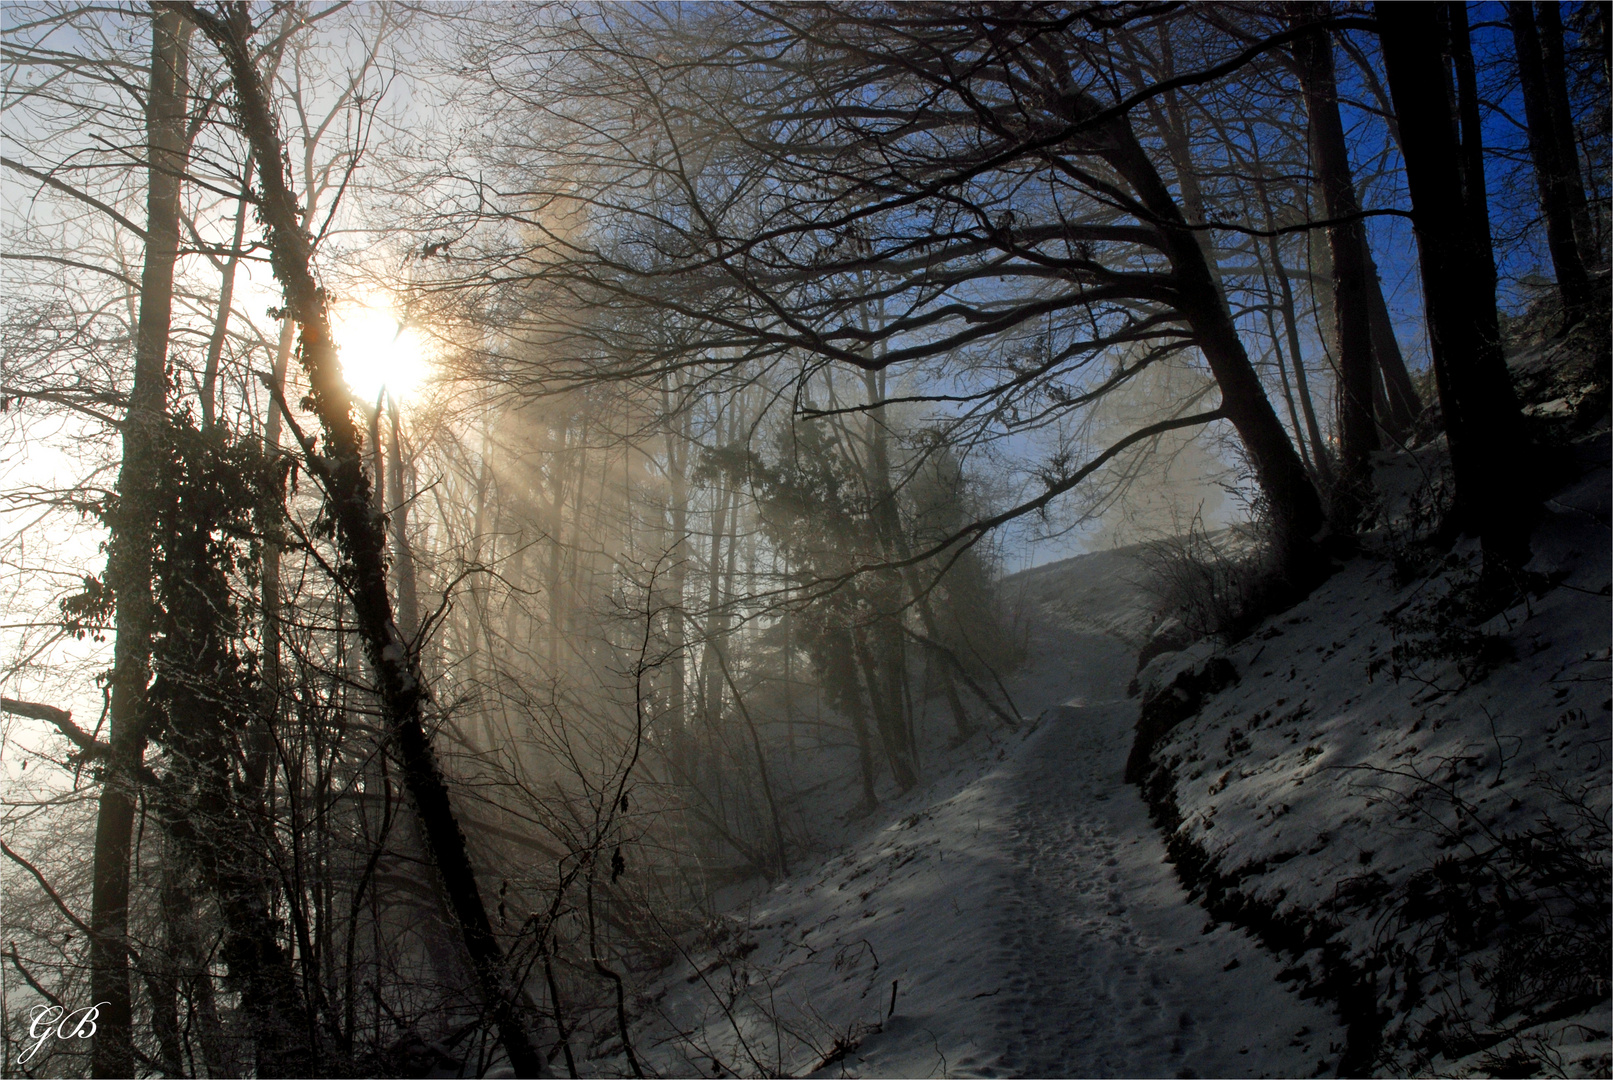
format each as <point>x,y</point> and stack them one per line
<point>1416,525</point>
<point>1219,584</point>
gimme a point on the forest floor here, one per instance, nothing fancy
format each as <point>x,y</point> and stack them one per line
<point>1013,916</point>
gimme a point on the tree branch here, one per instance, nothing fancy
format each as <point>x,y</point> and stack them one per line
<point>63,720</point>
<point>51,181</point>
<point>50,892</point>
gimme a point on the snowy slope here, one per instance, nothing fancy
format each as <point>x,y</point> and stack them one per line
<point>1019,906</point>
<point>1418,814</point>
<point>1103,593</point>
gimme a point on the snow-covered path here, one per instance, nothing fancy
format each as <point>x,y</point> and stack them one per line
<point>1105,969</point>
<point>1033,928</point>
<point>1023,910</point>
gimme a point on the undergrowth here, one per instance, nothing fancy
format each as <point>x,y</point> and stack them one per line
<point>1444,623</point>
<point>1219,584</point>
<point>1507,930</point>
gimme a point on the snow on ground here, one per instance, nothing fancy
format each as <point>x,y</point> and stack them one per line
<point>1431,806</point>
<point>1017,910</point>
<point>1411,815</point>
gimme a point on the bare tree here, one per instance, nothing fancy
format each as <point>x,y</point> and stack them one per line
<point>1488,452</point>
<point>133,528</point>
<point>341,472</point>
<point>1551,145</point>
<point>1346,238</point>
<point>1106,257</point>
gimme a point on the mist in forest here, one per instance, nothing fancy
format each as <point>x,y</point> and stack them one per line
<point>492,491</point>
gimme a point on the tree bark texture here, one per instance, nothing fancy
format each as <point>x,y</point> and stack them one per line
<point>129,555</point>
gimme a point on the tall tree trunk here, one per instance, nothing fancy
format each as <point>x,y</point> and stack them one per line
<point>557,522</point>
<point>1300,441</point>
<point>716,625</point>
<point>677,452</point>
<point>1404,404</point>
<point>859,722</point>
<point>221,321</point>
<point>478,653</point>
<point>888,632</point>
<point>1277,350</point>
<point>1346,238</point>
<point>1549,22</point>
<point>1482,419</point>
<point>190,961</point>
<point>724,525</point>
<point>163,972</point>
<point>377,462</point>
<point>1174,125</point>
<point>719,625</point>
<point>938,662</point>
<point>1451,22</point>
<point>196,682</point>
<point>129,557</point>
<point>362,540</point>
<point>269,566</point>
<point>891,731</point>
<point>761,767</point>
<point>1302,386</point>
<point>210,829</point>
<point>1317,461</point>
<point>884,670</point>
<point>402,552</point>
<point>1556,166</point>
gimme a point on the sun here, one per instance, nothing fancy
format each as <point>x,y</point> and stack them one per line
<point>377,350</point>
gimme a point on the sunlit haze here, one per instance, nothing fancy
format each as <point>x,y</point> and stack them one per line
<point>377,351</point>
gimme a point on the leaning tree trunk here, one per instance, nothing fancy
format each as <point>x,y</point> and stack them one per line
<point>1295,506</point>
<point>1556,171</point>
<point>362,539</point>
<point>1482,419</point>
<point>1346,238</point>
<point>128,570</point>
